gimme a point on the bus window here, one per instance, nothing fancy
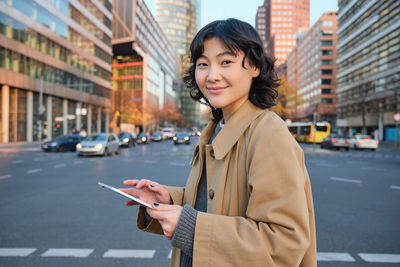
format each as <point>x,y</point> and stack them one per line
<point>322,128</point>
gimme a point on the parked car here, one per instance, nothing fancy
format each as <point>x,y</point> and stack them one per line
<point>99,144</point>
<point>157,136</point>
<point>181,138</point>
<point>143,138</point>
<point>336,141</point>
<point>168,132</point>
<point>363,142</point>
<point>62,143</point>
<point>127,139</point>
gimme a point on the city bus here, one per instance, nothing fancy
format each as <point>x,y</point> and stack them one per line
<point>304,131</point>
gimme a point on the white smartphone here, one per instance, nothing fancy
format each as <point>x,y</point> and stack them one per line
<point>126,195</point>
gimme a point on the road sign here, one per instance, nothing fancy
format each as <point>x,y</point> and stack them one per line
<point>396,117</point>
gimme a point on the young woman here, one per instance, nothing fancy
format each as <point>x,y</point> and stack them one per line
<point>247,201</point>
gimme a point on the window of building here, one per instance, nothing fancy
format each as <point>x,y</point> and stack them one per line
<point>326,100</point>
<point>326,52</point>
<point>326,43</point>
<point>326,81</point>
<point>326,72</point>
<point>326,62</point>
<point>326,91</point>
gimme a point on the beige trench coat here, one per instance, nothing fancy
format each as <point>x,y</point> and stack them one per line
<point>259,203</point>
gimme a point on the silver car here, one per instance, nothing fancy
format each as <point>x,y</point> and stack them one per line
<point>99,144</point>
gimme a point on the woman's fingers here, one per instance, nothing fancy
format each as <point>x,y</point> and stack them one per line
<point>145,183</point>
<point>131,182</point>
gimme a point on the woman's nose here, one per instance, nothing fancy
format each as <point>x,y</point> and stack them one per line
<point>213,74</point>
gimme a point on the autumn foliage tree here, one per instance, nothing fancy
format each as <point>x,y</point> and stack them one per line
<point>287,101</point>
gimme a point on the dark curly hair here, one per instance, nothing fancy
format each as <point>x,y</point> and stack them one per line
<point>236,35</point>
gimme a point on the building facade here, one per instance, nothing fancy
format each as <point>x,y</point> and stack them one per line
<point>368,67</point>
<point>145,67</point>
<point>179,20</point>
<point>312,69</point>
<point>55,68</point>
<point>278,21</point>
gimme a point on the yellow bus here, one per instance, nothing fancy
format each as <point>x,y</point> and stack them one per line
<point>304,131</point>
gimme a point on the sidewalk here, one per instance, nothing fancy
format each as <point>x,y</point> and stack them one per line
<point>389,145</point>
<point>20,146</point>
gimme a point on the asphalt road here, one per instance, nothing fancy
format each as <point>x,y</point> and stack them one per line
<point>53,213</point>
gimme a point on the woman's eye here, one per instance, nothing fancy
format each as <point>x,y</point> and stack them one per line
<point>226,62</point>
<point>200,65</point>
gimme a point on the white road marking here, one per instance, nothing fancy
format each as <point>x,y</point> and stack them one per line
<point>177,164</point>
<point>5,176</point>
<point>59,165</point>
<point>326,165</point>
<point>67,252</point>
<point>346,180</point>
<point>78,161</point>
<point>129,253</point>
<point>21,252</point>
<point>17,161</point>
<point>34,170</point>
<point>38,159</point>
<point>391,187</point>
<point>151,161</point>
<point>373,169</point>
<point>332,256</point>
<point>370,257</point>
<point>170,254</point>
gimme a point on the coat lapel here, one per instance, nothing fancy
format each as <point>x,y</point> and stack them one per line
<point>234,128</point>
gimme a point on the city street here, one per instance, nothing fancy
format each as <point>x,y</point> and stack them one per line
<point>53,213</point>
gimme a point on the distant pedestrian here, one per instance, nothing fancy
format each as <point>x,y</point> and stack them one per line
<point>247,201</point>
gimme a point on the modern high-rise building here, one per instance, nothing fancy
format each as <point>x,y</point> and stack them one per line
<point>278,21</point>
<point>369,67</point>
<point>145,67</point>
<point>311,69</point>
<point>55,68</point>
<point>180,20</point>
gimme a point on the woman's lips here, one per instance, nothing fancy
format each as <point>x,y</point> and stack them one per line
<point>216,89</point>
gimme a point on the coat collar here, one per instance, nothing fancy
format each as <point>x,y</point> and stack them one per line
<point>232,129</point>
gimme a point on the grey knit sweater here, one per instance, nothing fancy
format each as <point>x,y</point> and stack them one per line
<point>184,233</point>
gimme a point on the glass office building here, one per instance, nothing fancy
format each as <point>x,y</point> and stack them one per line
<point>145,66</point>
<point>55,68</point>
<point>180,21</point>
<point>368,67</point>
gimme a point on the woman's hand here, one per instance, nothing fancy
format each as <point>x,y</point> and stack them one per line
<point>146,190</point>
<point>167,216</point>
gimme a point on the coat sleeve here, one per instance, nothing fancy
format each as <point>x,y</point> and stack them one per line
<point>275,230</point>
<point>176,194</point>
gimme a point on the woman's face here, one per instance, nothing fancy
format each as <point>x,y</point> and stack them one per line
<point>221,77</point>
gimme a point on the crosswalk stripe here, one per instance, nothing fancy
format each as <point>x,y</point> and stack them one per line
<point>67,252</point>
<point>331,256</point>
<point>129,253</point>
<point>395,187</point>
<point>370,257</point>
<point>12,252</point>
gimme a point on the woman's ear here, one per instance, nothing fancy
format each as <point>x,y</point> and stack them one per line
<point>255,72</point>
